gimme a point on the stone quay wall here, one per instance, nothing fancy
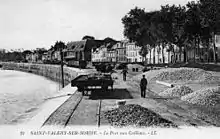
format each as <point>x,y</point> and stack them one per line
<point>52,72</point>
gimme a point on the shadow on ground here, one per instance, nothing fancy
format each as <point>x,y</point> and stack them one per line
<point>110,94</point>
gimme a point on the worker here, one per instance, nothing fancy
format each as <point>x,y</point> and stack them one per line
<point>143,86</point>
<point>124,71</point>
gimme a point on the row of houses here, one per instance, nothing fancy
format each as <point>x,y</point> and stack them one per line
<point>93,51</point>
<point>128,52</point>
<point>43,56</point>
<point>119,52</point>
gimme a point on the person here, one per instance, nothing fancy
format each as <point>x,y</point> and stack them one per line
<point>143,86</point>
<point>124,71</point>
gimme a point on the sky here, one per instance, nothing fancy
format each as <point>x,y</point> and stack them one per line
<point>31,24</point>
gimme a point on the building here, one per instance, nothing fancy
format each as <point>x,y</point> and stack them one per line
<point>28,58</point>
<point>96,55</point>
<point>79,51</point>
<point>120,49</point>
<point>111,55</point>
<point>104,53</point>
<point>100,54</point>
<point>34,57</point>
<point>217,43</point>
<point>111,52</point>
<point>44,56</point>
<point>55,56</point>
<point>132,53</point>
<point>160,55</point>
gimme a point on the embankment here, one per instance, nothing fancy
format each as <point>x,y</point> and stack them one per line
<point>52,72</point>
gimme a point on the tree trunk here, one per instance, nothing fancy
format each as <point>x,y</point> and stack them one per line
<point>185,54</point>
<point>154,56</point>
<point>199,54</point>
<point>180,52</point>
<point>163,53</point>
<point>158,57</point>
<point>194,48</point>
<point>214,49</point>
<point>168,57</point>
<point>144,60</point>
<point>150,56</point>
<point>207,50</point>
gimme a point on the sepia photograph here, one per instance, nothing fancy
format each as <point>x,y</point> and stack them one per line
<point>109,69</point>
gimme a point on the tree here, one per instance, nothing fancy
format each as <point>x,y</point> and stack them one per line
<point>210,12</point>
<point>133,22</point>
<point>193,25</point>
<point>183,26</point>
<point>87,37</point>
<point>26,52</point>
<point>59,45</point>
<point>109,40</point>
<point>144,51</point>
<point>137,28</point>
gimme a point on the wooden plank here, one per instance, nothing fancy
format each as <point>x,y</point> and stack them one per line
<point>164,83</point>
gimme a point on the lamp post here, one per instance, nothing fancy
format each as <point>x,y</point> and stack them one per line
<point>62,76</point>
<point>60,46</point>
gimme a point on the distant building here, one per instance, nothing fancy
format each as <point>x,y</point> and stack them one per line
<point>99,54</point>
<point>159,55</point>
<point>120,49</point>
<point>28,58</point>
<point>111,55</point>
<point>132,53</point>
<point>96,55</point>
<point>44,56</point>
<point>217,43</point>
<point>80,51</point>
<point>34,57</point>
<point>56,55</point>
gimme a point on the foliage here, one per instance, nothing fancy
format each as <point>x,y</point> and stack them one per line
<point>184,26</point>
<point>109,40</point>
<point>59,45</point>
<point>88,37</point>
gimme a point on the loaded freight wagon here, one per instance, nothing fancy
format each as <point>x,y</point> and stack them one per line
<point>91,82</point>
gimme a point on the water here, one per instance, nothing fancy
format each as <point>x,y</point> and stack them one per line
<point>21,95</point>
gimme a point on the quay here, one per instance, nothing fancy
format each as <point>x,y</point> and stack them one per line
<point>71,108</point>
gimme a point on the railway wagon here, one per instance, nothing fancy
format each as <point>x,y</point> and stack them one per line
<point>92,82</point>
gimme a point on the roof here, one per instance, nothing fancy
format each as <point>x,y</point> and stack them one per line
<point>84,45</point>
<point>76,45</point>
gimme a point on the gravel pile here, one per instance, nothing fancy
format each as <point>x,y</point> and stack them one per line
<point>184,74</point>
<point>177,91</point>
<point>205,97</point>
<point>136,116</point>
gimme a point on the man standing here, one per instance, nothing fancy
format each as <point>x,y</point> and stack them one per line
<point>143,86</point>
<point>124,72</point>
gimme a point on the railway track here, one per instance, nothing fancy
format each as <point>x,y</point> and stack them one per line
<point>86,113</point>
<point>78,110</point>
